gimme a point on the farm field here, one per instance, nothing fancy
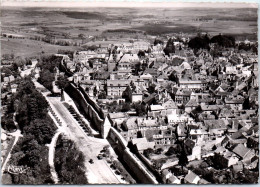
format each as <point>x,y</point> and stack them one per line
<point>30,48</point>
<point>99,24</point>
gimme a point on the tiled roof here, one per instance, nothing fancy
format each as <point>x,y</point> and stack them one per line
<point>192,103</point>
<point>241,150</point>
<point>190,177</point>
<point>216,124</point>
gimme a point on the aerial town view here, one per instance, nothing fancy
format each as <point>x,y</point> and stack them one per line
<point>129,93</point>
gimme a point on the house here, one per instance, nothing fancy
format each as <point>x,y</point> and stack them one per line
<point>209,109</point>
<point>182,96</point>
<point>140,144</point>
<point>231,70</point>
<point>243,152</point>
<point>161,79</point>
<point>170,107</point>
<point>144,124</point>
<point>151,71</point>
<point>252,163</point>
<point>130,125</point>
<point>181,131</point>
<point>238,167</point>
<point>6,79</point>
<point>166,174</point>
<point>203,181</point>
<point>216,127</point>
<point>236,103</point>
<point>14,88</point>
<point>141,45</point>
<point>116,87</point>
<point>146,77</point>
<point>196,153</point>
<point>173,180</point>
<point>185,65</point>
<point>117,118</point>
<point>156,110</point>
<point>225,158</point>
<point>191,105</point>
<point>136,95</point>
<point>167,137</point>
<point>174,119</point>
<point>192,84</point>
<point>191,178</point>
<point>129,58</point>
<point>253,142</point>
<point>201,97</point>
<point>11,78</point>
<point>189,145</point>
<point>137,81</point>
<point>198,135</point>
<point>83,56</point>
<point>150,99</point>
<point>226,113</point>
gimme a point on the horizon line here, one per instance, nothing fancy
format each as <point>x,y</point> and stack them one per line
<point>120,4</point>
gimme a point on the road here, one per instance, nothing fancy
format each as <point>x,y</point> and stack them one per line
<point>99,172</point>
<point>17,134</point>
<point>51,156</point>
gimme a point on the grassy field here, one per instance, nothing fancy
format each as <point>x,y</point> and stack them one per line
<point>30,48</point>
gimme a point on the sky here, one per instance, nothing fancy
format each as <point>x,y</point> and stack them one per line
<point>145,3</point>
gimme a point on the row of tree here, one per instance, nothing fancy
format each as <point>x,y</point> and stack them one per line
<point>48,65</point>
<point>37,129</point>
<point>203,41</point>
<point>69,162</point>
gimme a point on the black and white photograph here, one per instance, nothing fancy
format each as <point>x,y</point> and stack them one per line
<point>129,93</point>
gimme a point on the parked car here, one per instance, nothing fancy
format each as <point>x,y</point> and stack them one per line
<point>91,161</point>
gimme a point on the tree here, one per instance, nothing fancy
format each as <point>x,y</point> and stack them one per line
<point>19,61</point>
<point>126,107</point>
<point>32,151</point>
<point>170,48</point>
<point>102,95</point>
<point>69,162</point>
<point>223,40</point>
<point>158,41</point>
<point>29,103</point>
<point>183,159</point>
<point>82,36</point>
<point>46,78</point>
<point>158,151</point>
<point>170,151</point>
<point>173,77</point>
<point>127,94</point>
<point>148,152</point>
<point>62,81</point>
<point>158,164</point>
<point>42,129</point>
<point>7,122</point>
<point>91,48</point>
<point>199,42</point>
<point>140,109</point>
<point>141,54</point>
<point>151,88</point>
